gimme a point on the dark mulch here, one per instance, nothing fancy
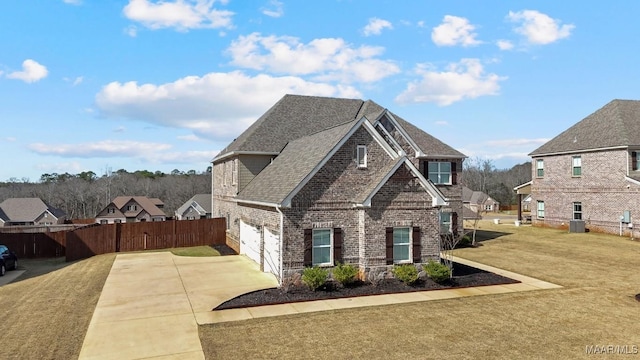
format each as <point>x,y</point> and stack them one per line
<point>464,276</point>
<point>223,249</point>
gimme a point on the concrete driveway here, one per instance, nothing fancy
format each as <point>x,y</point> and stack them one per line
<point>151,303</point>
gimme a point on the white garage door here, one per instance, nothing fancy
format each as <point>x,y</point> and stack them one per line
<point>250,241</point>
<point>271,252</point>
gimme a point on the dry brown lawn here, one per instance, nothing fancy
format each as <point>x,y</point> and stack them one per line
<point>47,311</point>
<point>600,275</point>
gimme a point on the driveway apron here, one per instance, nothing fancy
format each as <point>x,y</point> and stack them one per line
<point>150,302</point>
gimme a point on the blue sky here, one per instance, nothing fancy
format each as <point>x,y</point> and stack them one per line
<point>162,85</point>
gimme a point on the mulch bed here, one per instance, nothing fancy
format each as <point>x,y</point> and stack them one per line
<point>464,276</point>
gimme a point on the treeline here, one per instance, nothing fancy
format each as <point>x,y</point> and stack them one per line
<point>482,175</point>
<point>83,195</point>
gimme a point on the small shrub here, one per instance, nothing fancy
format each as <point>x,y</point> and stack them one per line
<point>437,272</point>
<point>465,241</point>
<point>406,273</point>
<point>314,277</point>
<point>345,273</point>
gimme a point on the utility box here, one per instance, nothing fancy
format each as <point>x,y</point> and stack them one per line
<point>576,226</point>
<point>626,217</point>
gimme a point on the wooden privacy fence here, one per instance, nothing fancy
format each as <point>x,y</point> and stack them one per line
<point>34,245</point>
<point>100,239</point>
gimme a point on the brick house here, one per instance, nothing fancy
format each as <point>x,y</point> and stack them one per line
<point>132,209</point>
<point>197,207</point>
<point>590,171</point>
<point>29,212</point>
<point>316,181</point>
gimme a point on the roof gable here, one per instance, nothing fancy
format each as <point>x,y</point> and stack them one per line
<point>293,117</point>
<point>296,116</point>
<point>27,209</point>
<point>296,163</point>
<point>146,204</point>
<point>617,124</point>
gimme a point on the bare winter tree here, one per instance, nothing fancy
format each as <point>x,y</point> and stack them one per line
<point>448,242</point>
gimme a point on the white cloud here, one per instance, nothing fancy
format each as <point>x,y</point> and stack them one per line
<point>120,129</point>
<point>131,30</point>
<point>185,157</point>
<point>31,72</point>
<point>462,80</point>
<point>190,137</point>
<point>375,26</point>
<point>453,31</point>
<point>180,14</point>
<point>61,168</point>
<point>217,105</point>
<point>106,148</point>
<point>10,139</point>
<point>517,142</point>
<point>77,81</point>
<point>441,123</point>
<point>327,59</point>
<point>539,28</point>
<point>504,44</point>
<point>275,9</point>
<point>73,2</point>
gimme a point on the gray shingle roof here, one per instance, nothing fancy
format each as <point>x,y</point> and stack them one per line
<point>295,116</point>
<point>27,209</point>
<point>204,200</point>
<point>294,163</point>
<point>292,117</point>
<point>615,124</point>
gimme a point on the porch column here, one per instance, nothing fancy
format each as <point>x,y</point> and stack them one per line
<point>519,207</point>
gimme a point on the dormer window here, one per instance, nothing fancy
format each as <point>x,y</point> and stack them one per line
<point>361,156</point>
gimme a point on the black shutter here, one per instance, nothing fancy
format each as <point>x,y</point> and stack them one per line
<point>454,173</point>
<point>389,237</point>
<point>454,223</point>
<point>417,258</point>
<point>425,170</point>
<point>337,246</point>
<point>308,247</point>
<point>634,160</point>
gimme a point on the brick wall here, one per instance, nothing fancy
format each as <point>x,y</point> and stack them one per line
<point>602,190</point>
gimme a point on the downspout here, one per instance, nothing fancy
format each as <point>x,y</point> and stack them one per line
<point>281,280</point>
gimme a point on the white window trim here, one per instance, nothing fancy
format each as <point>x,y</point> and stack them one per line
<point>234,172</point>
<point>573,165</point>
<point>538,209</point>
<point>450,222</point>
<point>574,212</point>
<point>313,232</point>
<point>361,156</point>
<point>539,166</point>
<point>450,182</point>
<point>410,244</point>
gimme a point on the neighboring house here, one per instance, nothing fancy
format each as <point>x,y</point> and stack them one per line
<point>316,181</point>
<point>478,201</point>
<point>29,212</point>
<point>590,172</point>
<point>132,209</point>
<point>198,207</point>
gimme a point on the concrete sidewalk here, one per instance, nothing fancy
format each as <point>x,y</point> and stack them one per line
<point>150,301</point>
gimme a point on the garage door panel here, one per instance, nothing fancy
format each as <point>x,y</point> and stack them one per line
<point>250,241</point>
<point>271,251</point>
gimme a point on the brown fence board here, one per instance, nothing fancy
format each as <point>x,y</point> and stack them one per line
<point>107,238</point>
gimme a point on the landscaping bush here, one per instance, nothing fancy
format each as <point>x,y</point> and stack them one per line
<point>345,273</point>
<point>406,273</point>
<point>314,277</point>
<point>437,272</point>
<point>464,241</point>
